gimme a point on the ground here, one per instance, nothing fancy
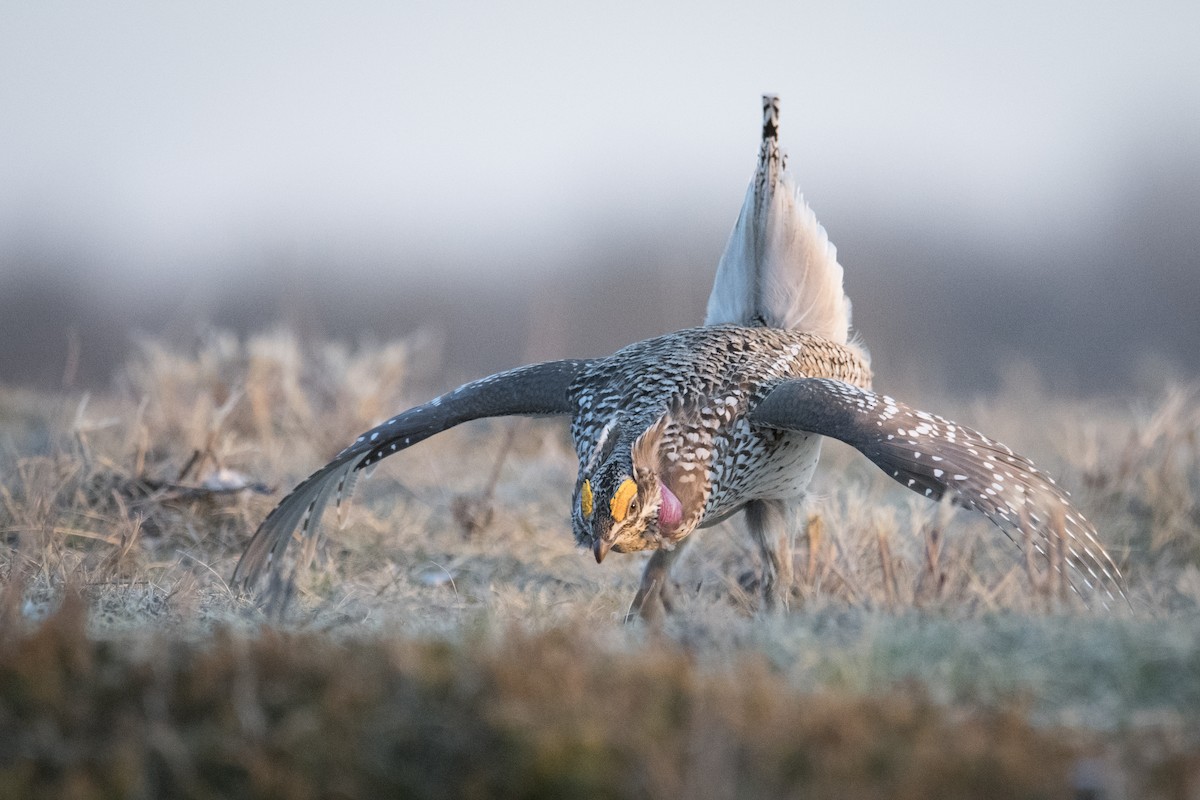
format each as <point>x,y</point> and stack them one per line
<point>449,639</point>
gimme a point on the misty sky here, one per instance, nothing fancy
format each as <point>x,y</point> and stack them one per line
<point>1003,180</point>
<point>148,136</point>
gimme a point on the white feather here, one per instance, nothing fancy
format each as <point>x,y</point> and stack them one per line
<point>779,268</point>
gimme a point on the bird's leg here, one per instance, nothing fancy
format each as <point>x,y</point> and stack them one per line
<point>653,596</point>
<point>769,525</point>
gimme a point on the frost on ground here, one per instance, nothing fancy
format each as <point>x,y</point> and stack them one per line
<point>138,500</point>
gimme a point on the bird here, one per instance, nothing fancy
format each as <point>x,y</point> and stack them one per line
<point>679,432</point>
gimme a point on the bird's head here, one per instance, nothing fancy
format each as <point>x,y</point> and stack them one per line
<point>623,502</point>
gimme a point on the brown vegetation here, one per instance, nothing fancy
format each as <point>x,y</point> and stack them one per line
<point>434,654</point>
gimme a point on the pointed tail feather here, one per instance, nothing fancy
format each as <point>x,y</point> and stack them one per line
<point>779,268</point>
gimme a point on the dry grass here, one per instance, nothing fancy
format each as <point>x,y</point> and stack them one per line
<point>304,715</point>
<point>922,653</point>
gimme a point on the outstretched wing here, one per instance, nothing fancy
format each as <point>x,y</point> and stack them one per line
<point>539,389</point>
<point>779,268</point>
<point>934,456</point>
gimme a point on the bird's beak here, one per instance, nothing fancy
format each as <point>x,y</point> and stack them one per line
<point>601,548</point>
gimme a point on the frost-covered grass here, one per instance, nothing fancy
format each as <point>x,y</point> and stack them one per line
<point>916,636</point>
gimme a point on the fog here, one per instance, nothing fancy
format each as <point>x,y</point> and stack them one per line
<point>538,180</point>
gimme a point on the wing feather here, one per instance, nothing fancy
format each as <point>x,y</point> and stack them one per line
<point>539,389</point>
<point>935,456</point>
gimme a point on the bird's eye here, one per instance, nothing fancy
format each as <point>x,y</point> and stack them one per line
<point>624,500</point>
<point>585,499</point>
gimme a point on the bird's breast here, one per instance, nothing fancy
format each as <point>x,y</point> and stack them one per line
<point>755,464</point>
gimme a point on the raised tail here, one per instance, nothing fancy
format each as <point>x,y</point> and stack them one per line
<point>779,269</point>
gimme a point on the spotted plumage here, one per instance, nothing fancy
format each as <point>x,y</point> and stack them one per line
<point>697,386</point>
<point>708,377</point>
<point>936,457</point>
<point>681,431</point>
